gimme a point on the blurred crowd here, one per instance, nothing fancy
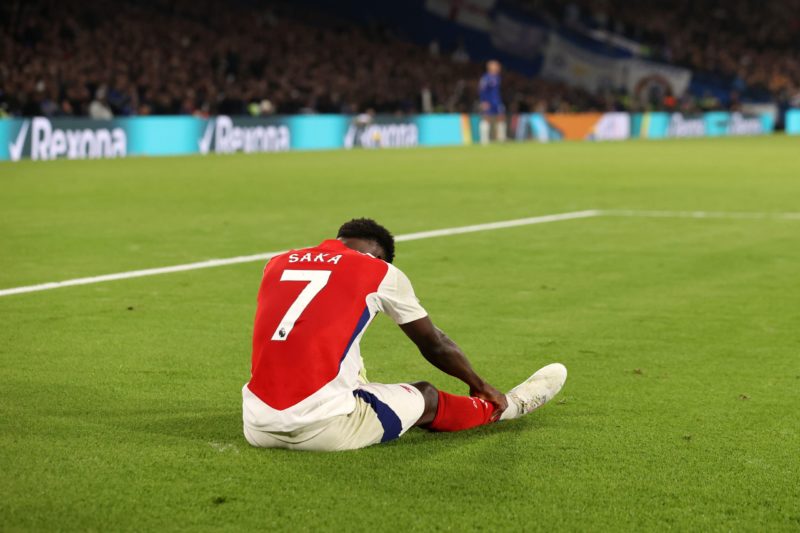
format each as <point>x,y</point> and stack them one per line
<point>103,59</point>
<point>752,46</point>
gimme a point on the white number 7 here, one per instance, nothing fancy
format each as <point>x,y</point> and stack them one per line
<point>317,280</point>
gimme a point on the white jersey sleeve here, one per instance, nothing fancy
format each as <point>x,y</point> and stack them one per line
<point>396,298</point>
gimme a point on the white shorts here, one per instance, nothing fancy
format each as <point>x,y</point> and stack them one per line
<point>382,413</point>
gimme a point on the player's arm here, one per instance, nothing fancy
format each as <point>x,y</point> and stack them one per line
<point>443,353</point>
<point>397,299</point>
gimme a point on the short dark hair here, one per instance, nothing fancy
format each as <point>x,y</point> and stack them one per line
<point>368,229</point>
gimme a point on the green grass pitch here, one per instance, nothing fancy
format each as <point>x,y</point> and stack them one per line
<point>120,402</point>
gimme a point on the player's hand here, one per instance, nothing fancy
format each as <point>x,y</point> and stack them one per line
<point>491,395</point>
<point>484,106</point>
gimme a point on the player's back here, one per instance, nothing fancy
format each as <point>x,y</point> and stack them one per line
<point>312,308</point>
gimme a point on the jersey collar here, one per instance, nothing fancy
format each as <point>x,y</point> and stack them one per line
<point>336,244</point>
<point>332,244</point>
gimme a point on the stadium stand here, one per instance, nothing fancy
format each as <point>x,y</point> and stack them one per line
<point>104,59</point>
<point>747,47</point>
<point>192,57</point>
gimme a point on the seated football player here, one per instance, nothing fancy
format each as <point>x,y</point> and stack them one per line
<point>307,390</point>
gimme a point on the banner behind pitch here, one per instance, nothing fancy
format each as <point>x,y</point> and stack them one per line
<point>712,124</point>
<point>42,138</point>
<point>793,122</point>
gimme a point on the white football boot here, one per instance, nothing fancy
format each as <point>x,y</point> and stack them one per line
<point>535,391</point>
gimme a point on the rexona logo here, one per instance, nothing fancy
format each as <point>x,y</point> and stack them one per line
<point>47,142</point>
<point>223,137</point>
<point>679,126</point>
<point>745,125</point>
<point>381,136</point>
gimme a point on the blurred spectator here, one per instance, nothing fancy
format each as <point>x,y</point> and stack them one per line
<point>99,108</point>
<point>460,54</point>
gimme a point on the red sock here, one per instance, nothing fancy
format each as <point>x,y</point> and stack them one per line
<point>460,412</point>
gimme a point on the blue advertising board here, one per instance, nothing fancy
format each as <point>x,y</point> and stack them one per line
<point>793,122</point>
<point>42,138</point>
<point>662,125</point>
<point>162,135</point>
<point>440,130</point>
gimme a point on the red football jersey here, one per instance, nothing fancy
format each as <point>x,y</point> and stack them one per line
<point>313,306</point>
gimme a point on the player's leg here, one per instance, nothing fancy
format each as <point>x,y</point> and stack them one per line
<point>449,412</point>
<point>430,395</point>
<point>485,128</point>
<point>500,123</point>
<point>500,126</point>
<point>382,413</point>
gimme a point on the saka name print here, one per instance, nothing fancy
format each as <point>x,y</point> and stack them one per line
<point>315,258</point>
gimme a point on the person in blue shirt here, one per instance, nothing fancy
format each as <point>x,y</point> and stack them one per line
<point>492,109</point>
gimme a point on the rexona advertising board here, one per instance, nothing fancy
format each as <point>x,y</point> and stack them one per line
<point>42,138</point>
<point>712,124</point>
<point>226,135</point>
<point>366,131</point>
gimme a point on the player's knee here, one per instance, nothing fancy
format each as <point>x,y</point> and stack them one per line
<point>429,393</point>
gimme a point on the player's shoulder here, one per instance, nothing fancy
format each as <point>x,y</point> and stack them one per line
<point>395,277</point>
<point>394,270</point>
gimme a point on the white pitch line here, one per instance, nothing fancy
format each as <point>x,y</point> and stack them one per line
<point>139,273</point>
<point>497,225</point>
<point>700,214</point>
<point>263,257</point>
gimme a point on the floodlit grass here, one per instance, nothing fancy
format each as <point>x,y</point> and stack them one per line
<point>121,401</point>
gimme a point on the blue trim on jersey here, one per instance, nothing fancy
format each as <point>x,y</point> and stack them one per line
<point>388,418</point>
<point>362,321</point>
